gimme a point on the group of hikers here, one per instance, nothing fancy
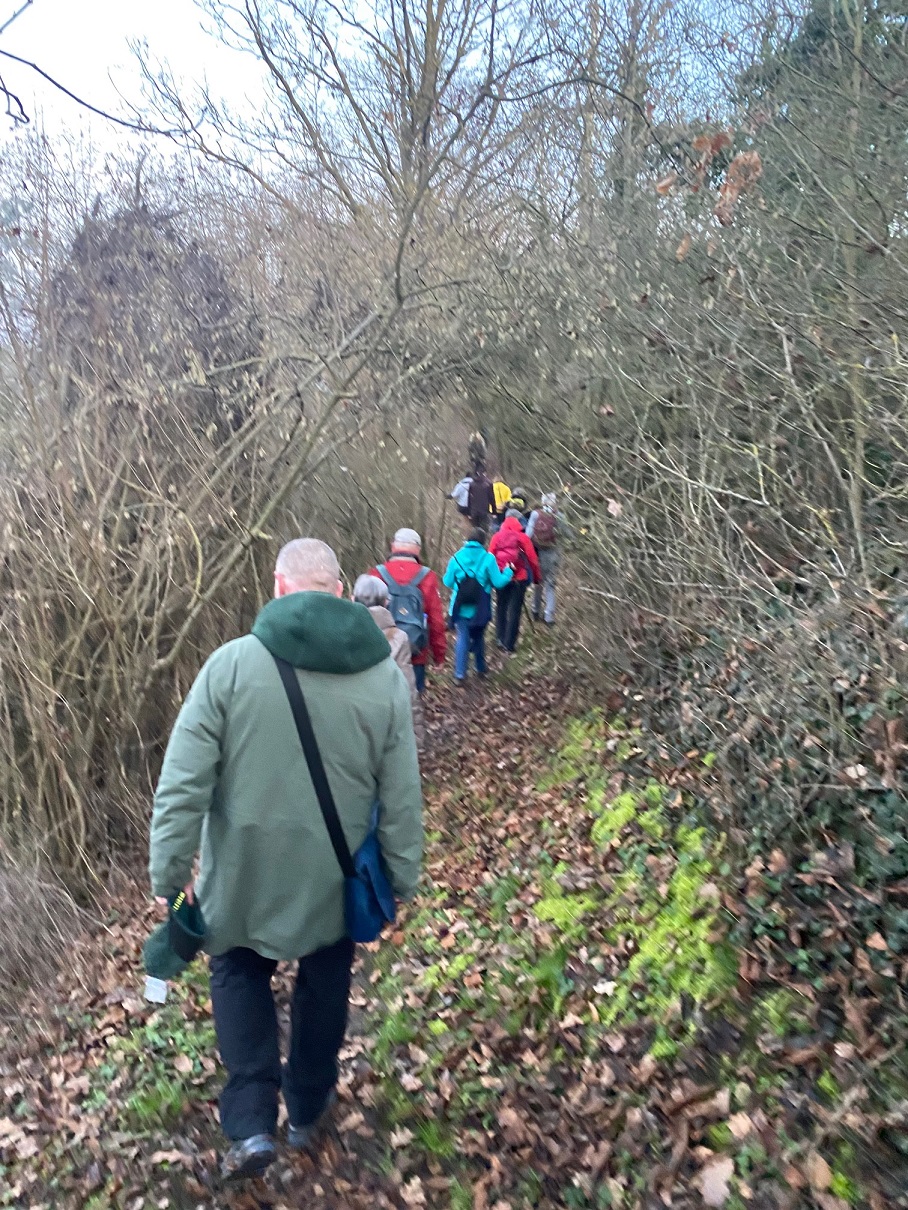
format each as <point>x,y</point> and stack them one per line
<point>508,549</point>
<point>295,749</point>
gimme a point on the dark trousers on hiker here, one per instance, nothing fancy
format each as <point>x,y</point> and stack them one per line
<point>507,615</point>
<point>245,1019</point>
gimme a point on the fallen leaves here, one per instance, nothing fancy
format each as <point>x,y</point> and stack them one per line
<point>413,1193</point>
<point>168,1157</point>
<point>741,1125</point>
<point>512,1126</point>
<point>818,1172</point>
<point>467,1088</point>
<point>714,1180</point>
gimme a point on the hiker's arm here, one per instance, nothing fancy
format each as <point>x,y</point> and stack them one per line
<point>499,576</point>
<point>532,559</point>
<point>450,576</point>
<point>187,782</point>
<point>400,831</point>
<point>438,640</point>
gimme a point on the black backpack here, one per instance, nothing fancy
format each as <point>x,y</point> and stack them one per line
<point>470,592</point>
<point>408,609</point>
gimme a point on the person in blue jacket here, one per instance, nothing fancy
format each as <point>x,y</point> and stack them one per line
<point>473,562</point>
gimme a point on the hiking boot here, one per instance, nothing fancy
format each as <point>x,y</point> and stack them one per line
<point>248,1157</point>
<point>460,682</point>
<point>301,1138</point>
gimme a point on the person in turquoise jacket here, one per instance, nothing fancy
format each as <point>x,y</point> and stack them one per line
<point>470,621</point>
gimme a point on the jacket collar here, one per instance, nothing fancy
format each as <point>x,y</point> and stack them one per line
<point>383,618</point>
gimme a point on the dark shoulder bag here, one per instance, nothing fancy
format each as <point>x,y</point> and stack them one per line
<point>368,898</point>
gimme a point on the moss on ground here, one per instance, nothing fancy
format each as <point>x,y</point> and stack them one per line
<point>665,908</point>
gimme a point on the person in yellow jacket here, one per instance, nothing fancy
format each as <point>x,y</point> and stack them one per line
<point>502,499</point>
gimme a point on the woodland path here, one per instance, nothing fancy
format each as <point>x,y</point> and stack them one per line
<point>505,1051</point>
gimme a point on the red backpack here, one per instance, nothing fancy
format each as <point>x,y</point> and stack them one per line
<point>508,550</point>
<point>545,530</point>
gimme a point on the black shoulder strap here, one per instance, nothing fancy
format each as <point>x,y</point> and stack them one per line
<point>316,766</point>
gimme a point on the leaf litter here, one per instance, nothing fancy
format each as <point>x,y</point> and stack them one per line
<point>503,1050</point>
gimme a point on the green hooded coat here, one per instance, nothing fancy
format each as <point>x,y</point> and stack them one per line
<point>235,781</point>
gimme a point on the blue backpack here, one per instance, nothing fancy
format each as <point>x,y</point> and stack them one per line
<point>408,608</point>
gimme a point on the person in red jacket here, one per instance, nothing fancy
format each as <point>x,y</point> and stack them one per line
<point>512,548</point>
<point>403,566</point>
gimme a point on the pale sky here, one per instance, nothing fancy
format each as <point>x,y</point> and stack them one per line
<point>85,45</point>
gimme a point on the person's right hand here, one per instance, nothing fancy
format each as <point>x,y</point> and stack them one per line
<point>161,900</point>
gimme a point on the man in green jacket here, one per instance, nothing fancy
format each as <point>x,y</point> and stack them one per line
<point>235,786</point>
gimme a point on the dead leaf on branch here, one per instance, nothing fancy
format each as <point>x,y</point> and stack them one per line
<point>684,247</point>
<point>665,185</point>
<point>743,173</point>
<point>709,145</point>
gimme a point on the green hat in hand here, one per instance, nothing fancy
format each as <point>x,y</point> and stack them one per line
<point>174,944</point>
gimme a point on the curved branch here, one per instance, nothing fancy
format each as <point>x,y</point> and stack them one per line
<point>141,127</point>
<point>17,115</point>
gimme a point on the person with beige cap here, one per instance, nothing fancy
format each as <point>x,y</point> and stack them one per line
<point>411,584</point>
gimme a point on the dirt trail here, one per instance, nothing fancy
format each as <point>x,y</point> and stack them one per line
<point>105,1101</point>
<point>534,1033</point>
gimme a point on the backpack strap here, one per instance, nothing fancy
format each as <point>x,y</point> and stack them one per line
<point>316,766</point>
<point>419,577</point>
<point>387,577</point>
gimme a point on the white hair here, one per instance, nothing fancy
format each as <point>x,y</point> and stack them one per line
<point>308,565</point>
<point>371,591</point>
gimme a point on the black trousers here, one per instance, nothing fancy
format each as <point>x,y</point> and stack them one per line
<point>507,615</point>
<point>245,1019</point>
